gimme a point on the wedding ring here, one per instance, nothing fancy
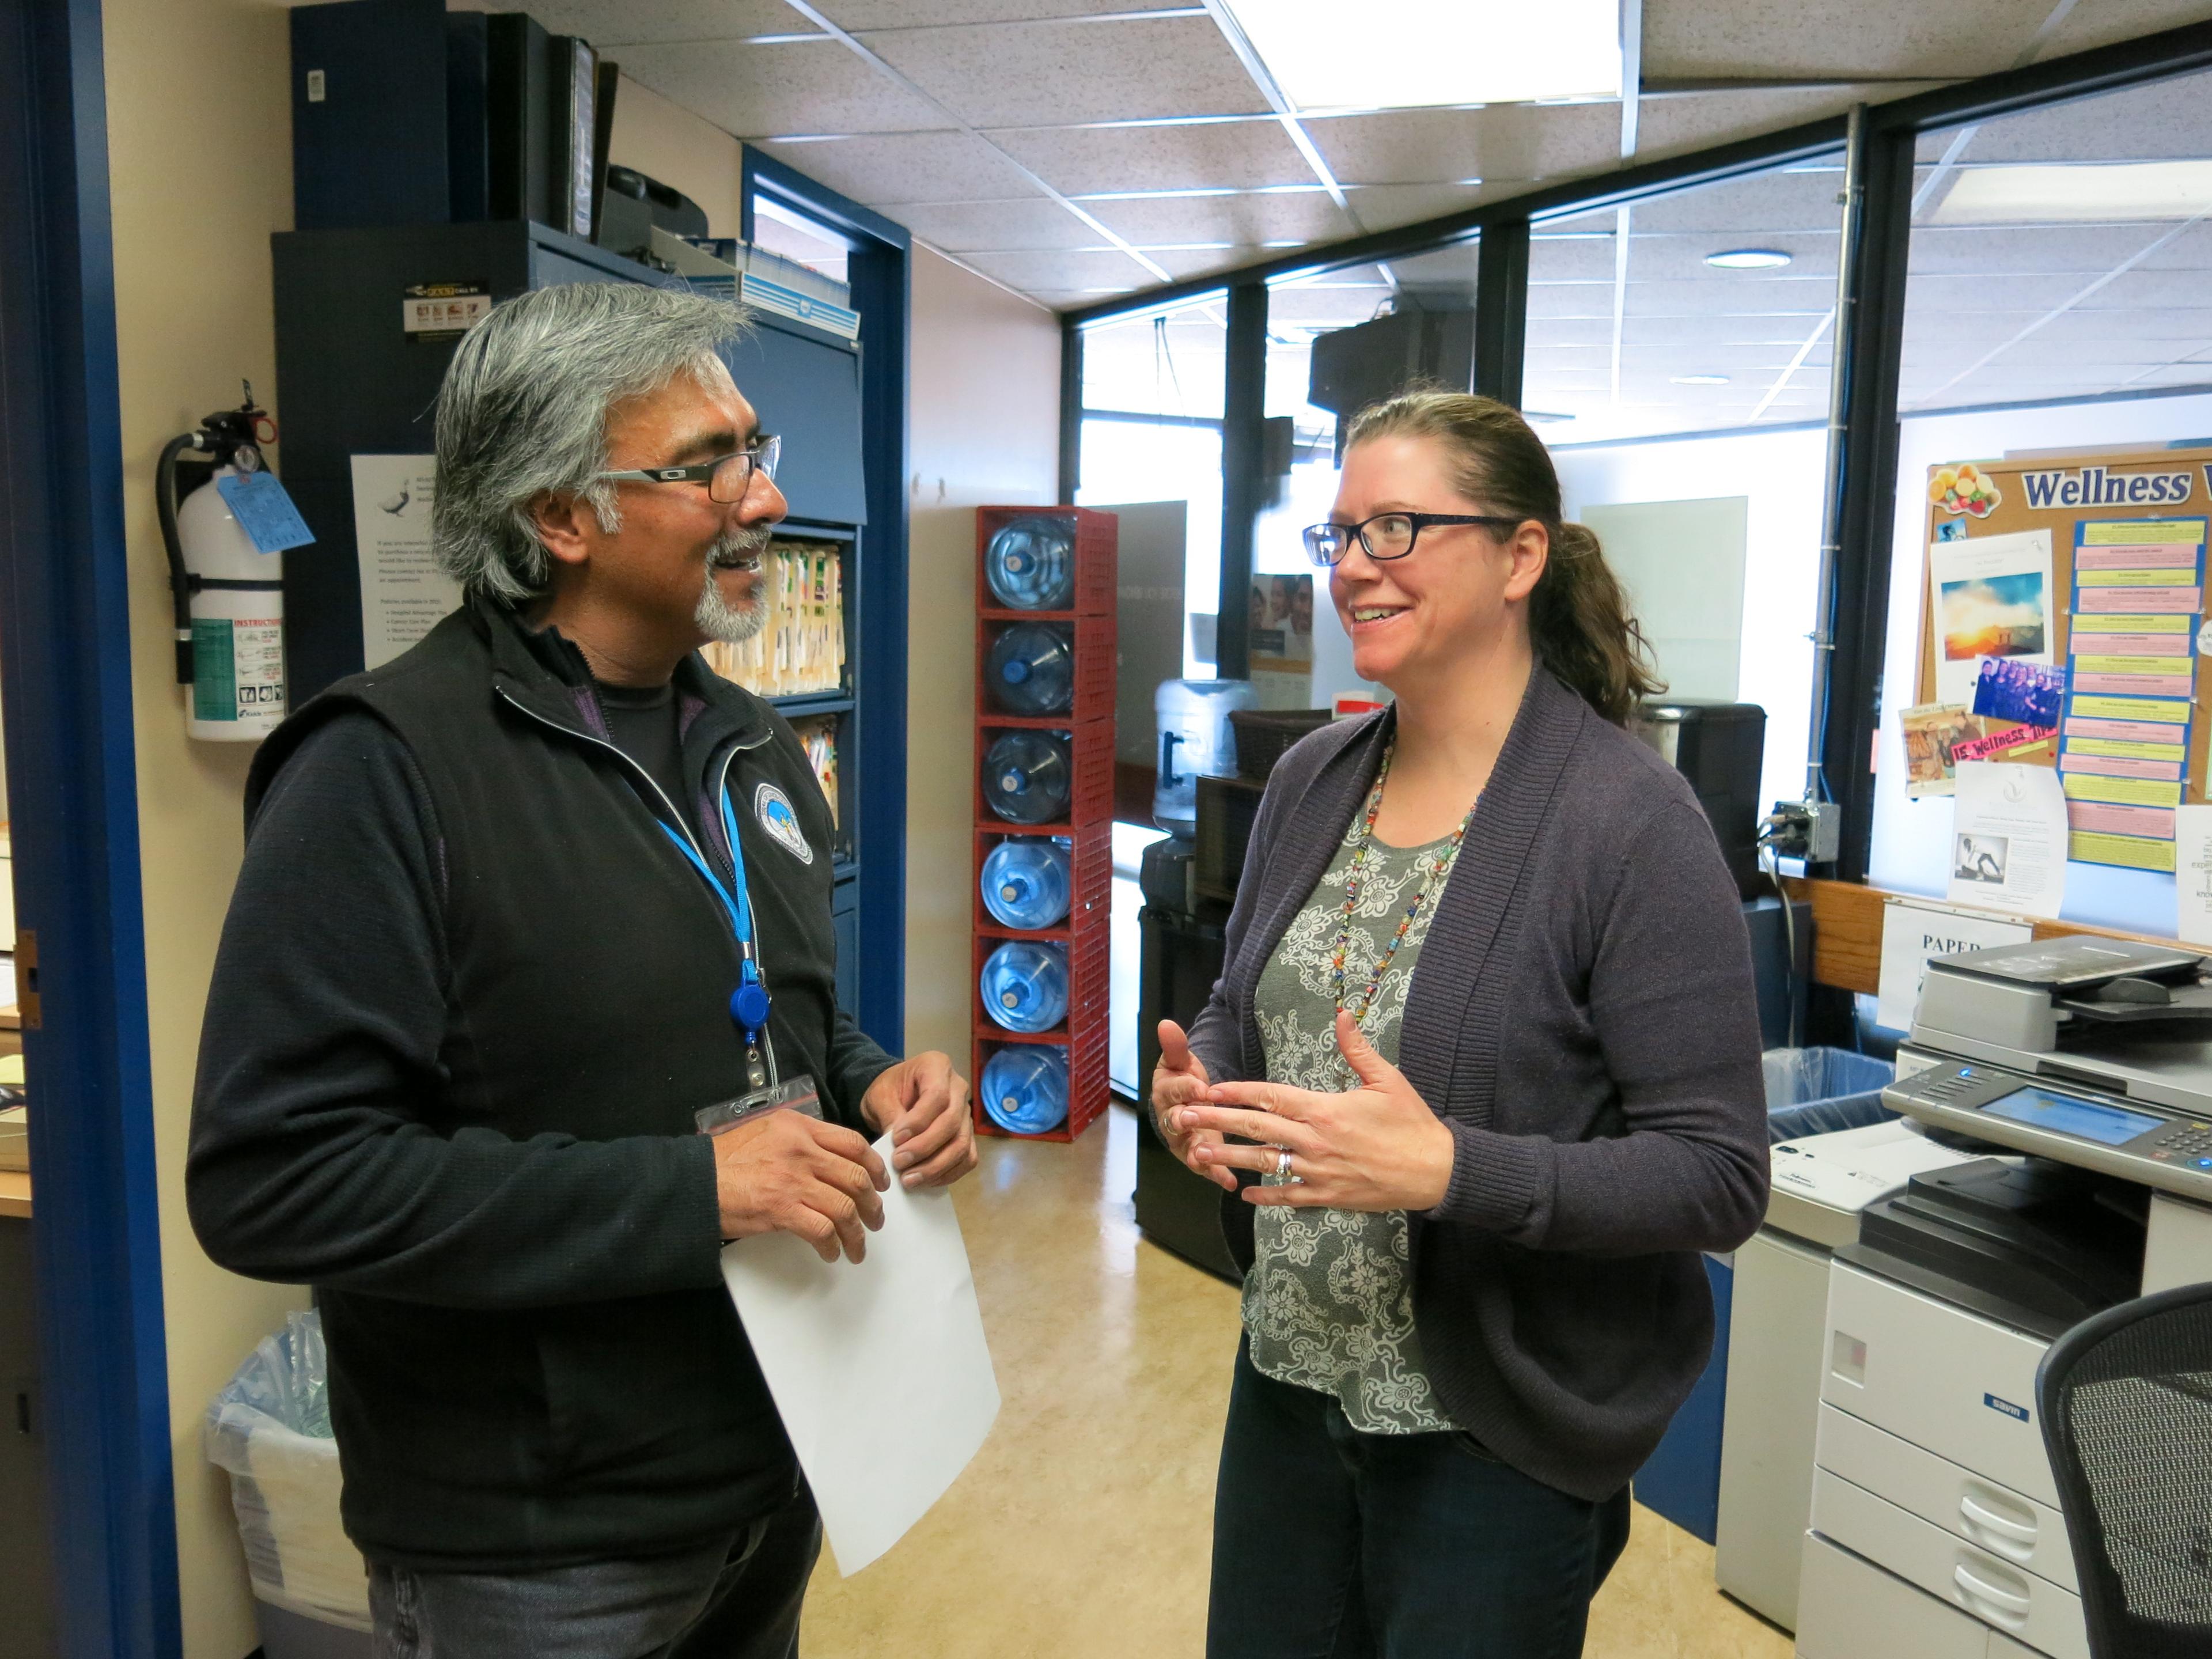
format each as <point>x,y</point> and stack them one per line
<point>1282,1162</point>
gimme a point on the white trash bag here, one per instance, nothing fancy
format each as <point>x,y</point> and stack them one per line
<point>270,1429</point>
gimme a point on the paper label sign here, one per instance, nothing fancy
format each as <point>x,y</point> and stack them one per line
<point>443,311</point>
<point>265,511</point>
<point>1910,933</point>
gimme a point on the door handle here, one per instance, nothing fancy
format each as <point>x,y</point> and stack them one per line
<point>1988,1520</point>
<point>2011,1609</point>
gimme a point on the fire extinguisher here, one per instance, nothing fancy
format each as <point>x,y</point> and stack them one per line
<point>229,594</point>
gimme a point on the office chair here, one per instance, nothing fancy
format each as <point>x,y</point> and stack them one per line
<point>2126,1403</point>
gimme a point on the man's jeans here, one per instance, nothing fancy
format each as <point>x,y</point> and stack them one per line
<point>737,1598</point>
<point>1332,1544</point>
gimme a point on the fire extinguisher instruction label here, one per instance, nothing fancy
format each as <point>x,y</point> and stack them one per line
<point>238,668</point>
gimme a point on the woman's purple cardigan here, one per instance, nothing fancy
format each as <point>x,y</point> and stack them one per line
<point>1582,1018</point>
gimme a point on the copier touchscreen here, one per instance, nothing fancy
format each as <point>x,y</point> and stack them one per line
<point>2107,1124</point>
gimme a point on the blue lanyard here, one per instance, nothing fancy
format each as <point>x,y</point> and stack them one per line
<point>749,1003</point>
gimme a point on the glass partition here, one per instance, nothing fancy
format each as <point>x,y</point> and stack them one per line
<point>2059,307</point>
<point>1151,432</point>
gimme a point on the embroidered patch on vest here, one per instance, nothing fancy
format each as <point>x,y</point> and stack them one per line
<point>774,809</point>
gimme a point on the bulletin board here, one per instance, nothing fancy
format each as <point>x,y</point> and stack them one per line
<point>2063,607</point>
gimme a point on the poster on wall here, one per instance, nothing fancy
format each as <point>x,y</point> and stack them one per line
<point>403,593</point>
<point>1282,636</point>
<point>2008,839</point>
<point>1992,603</point>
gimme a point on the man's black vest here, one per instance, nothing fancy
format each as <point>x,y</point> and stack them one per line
<point>589,971</point>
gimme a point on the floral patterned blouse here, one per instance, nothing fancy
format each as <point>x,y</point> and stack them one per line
<point>1328,1304</point>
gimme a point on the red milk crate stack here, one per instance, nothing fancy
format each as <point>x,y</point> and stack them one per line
<point>1044,814</point>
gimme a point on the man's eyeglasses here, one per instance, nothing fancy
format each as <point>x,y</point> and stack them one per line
<point>1385,535</point>
<point>726,477</point>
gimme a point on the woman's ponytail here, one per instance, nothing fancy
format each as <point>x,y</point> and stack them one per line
<point>1579,616</point>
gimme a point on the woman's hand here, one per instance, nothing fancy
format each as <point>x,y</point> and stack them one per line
<point>1179,1081</point>
<point>1375,1147</point>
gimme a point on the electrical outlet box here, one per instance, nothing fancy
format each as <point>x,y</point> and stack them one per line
<point>1809,829</point>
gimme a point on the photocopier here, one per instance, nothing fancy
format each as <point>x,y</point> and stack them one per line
<point>2079,1071</point>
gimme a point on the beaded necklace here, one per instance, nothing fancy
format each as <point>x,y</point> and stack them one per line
<point>1354,878</point>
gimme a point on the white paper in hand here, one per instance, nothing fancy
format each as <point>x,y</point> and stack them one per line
<point>878,1368</point>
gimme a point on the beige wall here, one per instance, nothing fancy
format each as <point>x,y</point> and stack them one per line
<point>668,143</point>
<point>982,427</point>
<point>199,161</point>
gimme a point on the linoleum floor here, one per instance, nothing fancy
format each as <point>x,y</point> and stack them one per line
<point>1081,1530</point>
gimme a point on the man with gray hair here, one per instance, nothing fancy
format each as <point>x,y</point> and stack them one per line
<point>526,1002</point>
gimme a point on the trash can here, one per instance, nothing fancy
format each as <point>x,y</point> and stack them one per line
<point>1816,1091</point>
<point>269,1429</point>
<point>1809,1091</point>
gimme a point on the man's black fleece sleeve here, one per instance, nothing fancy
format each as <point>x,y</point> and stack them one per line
<point>313,1158</point>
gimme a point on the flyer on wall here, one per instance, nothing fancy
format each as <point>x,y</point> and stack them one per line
<point>2009,838</point>
<point>403,592</point>
<point>1992,598</point>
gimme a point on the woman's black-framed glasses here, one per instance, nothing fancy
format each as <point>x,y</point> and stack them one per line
<point>1385,535</point>
<point>727,476</point>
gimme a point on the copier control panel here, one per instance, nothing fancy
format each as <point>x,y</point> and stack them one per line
<point>2155,1145</point>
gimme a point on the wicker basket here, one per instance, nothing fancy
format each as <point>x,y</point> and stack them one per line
<point>1262,735</point>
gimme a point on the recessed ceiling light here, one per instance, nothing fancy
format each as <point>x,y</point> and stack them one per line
<point>1467,54</point>
<point>1700,379</point>
<point>2132,189</point>
<point>1749,259</point>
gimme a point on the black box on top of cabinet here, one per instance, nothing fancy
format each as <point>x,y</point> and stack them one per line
<point>369,115</point>
<point>352,380</point>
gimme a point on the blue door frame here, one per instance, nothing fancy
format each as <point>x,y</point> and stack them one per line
<point>65,669</point>
<point>881,285</point>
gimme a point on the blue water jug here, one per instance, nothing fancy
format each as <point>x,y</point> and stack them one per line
<point>1031,564</point>
<point>1025,883</point>
<point>1025,1088</point>
<point>1028,778</point>
<point>1032,671</point>
<point>1025,985</point>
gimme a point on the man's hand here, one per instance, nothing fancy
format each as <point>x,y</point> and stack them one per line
<point>1180,1081</point>
<point>922,1103</point>
<point>786,1172</point>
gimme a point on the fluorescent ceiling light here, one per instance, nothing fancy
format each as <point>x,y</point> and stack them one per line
<point>1700,379</point>
<point>2129,190</point>
<point>1409,54</point>
<point>1749,259</point>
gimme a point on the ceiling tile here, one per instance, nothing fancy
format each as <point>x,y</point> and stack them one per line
<point>1070,269</point>
<point>1519,141</point>
<point>1074,299</point>
<point>800,86</point>
<point>1244,219</point>
<point>2084,250</point>
<point>1185,264</point>
<point>1764,203</point>
<point>1677,123</point>
<point>1049,73</point>
<point>907,167</point>
<point>1386,207</point>
<point>1871,38</point>
<point>896,13</point>
<point>1962,298</point>
<point>1226,154</point>
<point>626,22</point>
<point>2119,20</point>
<point>2171,118</point>
<point>996,227</point>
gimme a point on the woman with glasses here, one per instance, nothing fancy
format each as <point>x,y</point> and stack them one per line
<point>1479,1080</point>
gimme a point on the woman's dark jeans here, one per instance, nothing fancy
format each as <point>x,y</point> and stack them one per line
<point>1332,1544</point>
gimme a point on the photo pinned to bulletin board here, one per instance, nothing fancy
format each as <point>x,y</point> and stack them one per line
<point>2065,627</point>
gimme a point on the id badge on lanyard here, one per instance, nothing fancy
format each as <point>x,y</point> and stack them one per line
<point>750,1002</point>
